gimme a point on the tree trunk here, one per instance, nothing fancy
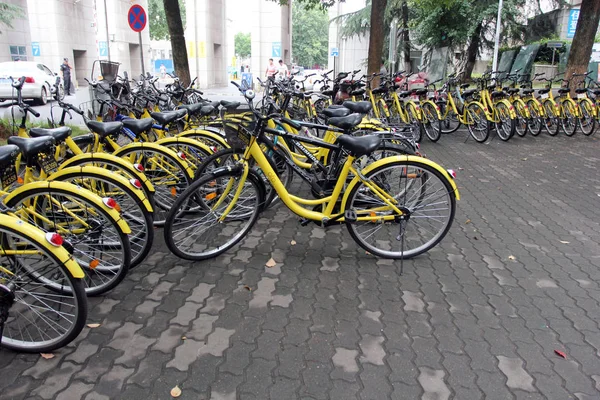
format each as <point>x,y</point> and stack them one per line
<point>472,50</point>
<point>581,48</point>
<point>405,37</point>
<point>376,38</point>
<point>180,58</point>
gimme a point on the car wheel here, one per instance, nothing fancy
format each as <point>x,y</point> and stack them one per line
<point>43,100</point>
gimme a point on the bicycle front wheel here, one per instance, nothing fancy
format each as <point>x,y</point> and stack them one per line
<point>587,123</point>
<point>432,124</point>
<point>207,219</point>
<point>426,199</point>
<point>477,122</point>
<point>535,122</point>
<point>522,123</point>
<point>569,120</point>
<point>505,125</point>
<point>551,123</point>
<point>39,318</point>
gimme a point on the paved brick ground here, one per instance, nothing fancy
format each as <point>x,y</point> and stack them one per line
<point>478,317</point>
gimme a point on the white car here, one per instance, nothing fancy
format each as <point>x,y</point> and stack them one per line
<point>39,81</point>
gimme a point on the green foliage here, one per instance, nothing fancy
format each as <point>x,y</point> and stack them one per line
<point>159,30</point>
<point>243,45</point>
<point>309,4</point>
<point>458,19</point>
<point>310,33</point>
<point>10,12</point>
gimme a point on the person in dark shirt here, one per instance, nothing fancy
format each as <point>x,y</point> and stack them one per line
<point>66,68</point>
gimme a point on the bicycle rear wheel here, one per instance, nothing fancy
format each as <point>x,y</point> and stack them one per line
<point>132,209</point>
<point>40,318</point>
<point>197,227</point>
<point>450,122</point>
<point>99,245</point>
<point>423,194</point>
<point>167,173</point>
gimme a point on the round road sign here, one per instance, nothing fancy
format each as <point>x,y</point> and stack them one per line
<point>137,18</point>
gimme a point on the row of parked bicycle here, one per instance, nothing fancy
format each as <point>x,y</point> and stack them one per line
<point>79,212</point>
<point>501,102</point>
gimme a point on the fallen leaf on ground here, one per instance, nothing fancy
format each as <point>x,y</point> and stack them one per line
<point>47,356</point>
<point>293,242</point>
<point>175,392</point>
<point>524,159</point>
<point>468,221</point>
<point>564,242</point>
<point>183,338</point>
<point>512,258</point>
<point>560,353</point>
<point>247,288</point>
<point>475,237</point>
<point>93,325</point>
<point>271,263</point>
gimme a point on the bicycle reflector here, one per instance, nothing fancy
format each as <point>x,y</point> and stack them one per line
<point>135,183</point>
<point>29,79</point>
<point>139,167</point>
<point>452,173</point>
<point>54,239</point>
<point>109,202</point>
<point>181,155</point>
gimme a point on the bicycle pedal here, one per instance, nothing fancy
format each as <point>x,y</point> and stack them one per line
<point>305,221</point>
<point>350,216</point>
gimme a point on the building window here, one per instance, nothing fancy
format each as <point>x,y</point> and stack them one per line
<point>18,53</point>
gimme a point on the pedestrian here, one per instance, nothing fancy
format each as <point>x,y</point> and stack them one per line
<point>66,68</point>
<point>242,69</point>
<point>383,70</point>
<point>163,71</point>
<point>282,71</point>
<point>271,70</point>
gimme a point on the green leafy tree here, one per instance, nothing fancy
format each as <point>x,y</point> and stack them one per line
<point>376,30</point>
<point>8,13</point>
<point>243,45</point>
<point>309,35</point>
<point>466,26</point>
<point>159,29</point>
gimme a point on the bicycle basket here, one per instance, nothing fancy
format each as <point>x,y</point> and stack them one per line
<point>237,134</point>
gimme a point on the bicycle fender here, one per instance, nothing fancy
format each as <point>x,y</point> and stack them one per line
<point>202,132</point>
<point>109,158</point>
<point>69,187</point>
<point>435,107</point>
<point>157,148</point>
<point>184,140</point>
<point>393,159</point>
<point>61,174</point>
<point>39,236</point>
<point>511,108</point>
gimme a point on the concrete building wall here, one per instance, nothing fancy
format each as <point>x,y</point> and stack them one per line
<point>19,37</point>
<point>353,51</point>
<point>72,29</point>
<point>271,31</point>
<point>206,38</point>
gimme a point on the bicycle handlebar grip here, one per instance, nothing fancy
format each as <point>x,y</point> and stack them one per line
<point>237,85</point>
<point>31,110</point>
<point>76,109</point>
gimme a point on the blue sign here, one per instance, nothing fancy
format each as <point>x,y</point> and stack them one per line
<point>35,49</point>
<point>103,49</point>
<point>166,62</point>
<point>247,77</point>
<point>572,24</point>
<point>276,49</point>
<point>335,52</point>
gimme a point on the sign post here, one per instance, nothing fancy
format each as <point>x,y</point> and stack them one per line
<point>137,22</point>
<point>335,54</point>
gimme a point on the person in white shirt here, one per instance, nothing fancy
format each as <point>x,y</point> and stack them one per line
<point>282,71</point>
